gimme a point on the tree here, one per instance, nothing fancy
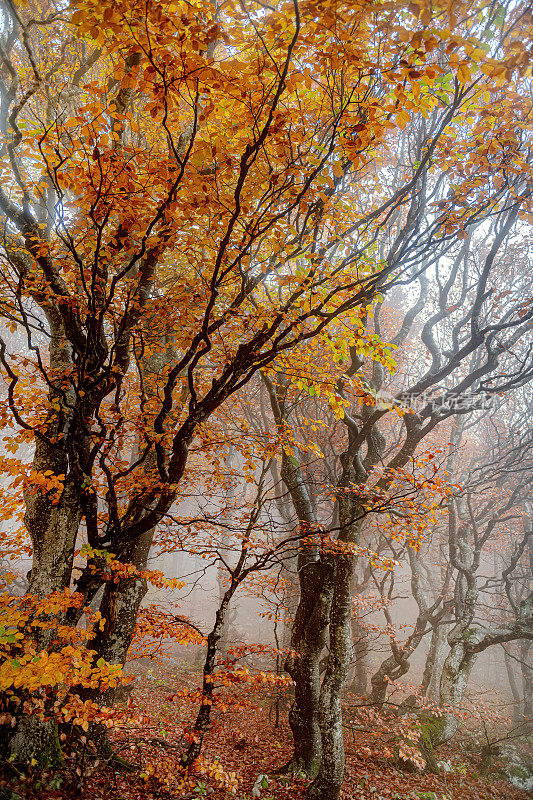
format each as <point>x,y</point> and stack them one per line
<point>489,513</point>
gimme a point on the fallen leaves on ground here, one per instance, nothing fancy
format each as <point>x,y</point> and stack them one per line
<point>244,743</point>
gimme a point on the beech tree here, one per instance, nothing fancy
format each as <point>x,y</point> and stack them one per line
<point>489,513</point>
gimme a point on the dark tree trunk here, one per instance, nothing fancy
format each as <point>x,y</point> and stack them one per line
<point>121,602</point>
<point>327,783</point>
<point>52,523</point>
<point>119,607</point>
<point>389,668</point>
<point>308,640</point>
<point>204,714</point>
<point>316,578</point>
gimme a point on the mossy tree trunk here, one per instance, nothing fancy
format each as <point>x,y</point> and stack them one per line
<point>435,662</point>
<point>52,522</point>
<point>328,781</point>
<point>308,640</point>
<point>350,511</point>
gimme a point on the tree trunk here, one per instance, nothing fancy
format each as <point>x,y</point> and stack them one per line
<point>455,674</point>
<point>327,783</point>
<point>204,714</point>
<point>222,572</point>
<point>53,530</point>
<point>361,651</point>
<point>391,667</point>
<point>120,607</point>
<point>308,640</point>
<point>121,602</point>
<point>316,578</point>
<point>517,695</point>
<point>238,574</point>
<point>527,680</point>
<point>36,739</point>
<point>435,663</point>
<point>52,523</point>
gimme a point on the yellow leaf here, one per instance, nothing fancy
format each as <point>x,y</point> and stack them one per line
<point>402,119</point>
<point>463,73</point>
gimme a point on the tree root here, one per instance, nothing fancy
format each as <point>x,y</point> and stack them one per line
<point>105,751</point>
<point>121,764</point>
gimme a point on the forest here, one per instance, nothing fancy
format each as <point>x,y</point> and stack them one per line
<point>266,399</point>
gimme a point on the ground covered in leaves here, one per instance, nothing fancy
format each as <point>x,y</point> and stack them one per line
<point>244,743</point>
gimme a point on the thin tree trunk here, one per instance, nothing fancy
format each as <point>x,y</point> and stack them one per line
<point>397,664</point>
<point>222,573</point>
<point>361,652</point>
<point>238,574</point>
<point>435,662</point>
<point>527,680</point>
<point>517,696</point>
<point>204,714</point>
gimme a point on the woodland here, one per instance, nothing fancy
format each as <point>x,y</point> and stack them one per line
<point>266,395</point>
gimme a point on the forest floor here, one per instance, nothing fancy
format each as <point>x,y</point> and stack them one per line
<point>241,745</point>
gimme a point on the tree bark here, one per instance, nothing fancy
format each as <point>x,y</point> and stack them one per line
<point>327,783</point>
<point>204,714</point>
<point>316,577</point>
<point>455,674</point>
<point>393,667</point>
<point>517,695</point>
<point>361,651</point>
<point>308,640</point>
<point>435,663</point>
<point>527,679</point>
<point>120,607</point>
<point>52,523</point>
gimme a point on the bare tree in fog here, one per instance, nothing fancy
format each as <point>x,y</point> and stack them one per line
<point>492,511</point>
